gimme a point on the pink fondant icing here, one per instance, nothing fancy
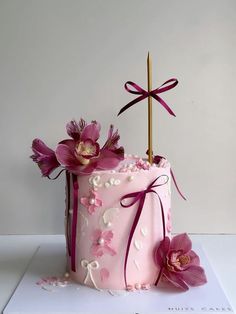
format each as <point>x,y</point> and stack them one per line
<point>141,269</point>
<point>169,224</point>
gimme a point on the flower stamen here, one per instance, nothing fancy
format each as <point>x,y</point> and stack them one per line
<point>184,259</point>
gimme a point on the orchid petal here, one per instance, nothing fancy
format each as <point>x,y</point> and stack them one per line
<point>40,147</point>
<point>47,166</point>
<point>70,143</point>
<point>108,160</point>
<point>66,156</point>
<point>181,242</point>
<point>91,131</point>
<point>112,139</point>
<point>175,280</point>
<point>73,130</point>
<point>194,276</point>
<point>161,252</point>
<point>45,157</point>
<point>194,259</point>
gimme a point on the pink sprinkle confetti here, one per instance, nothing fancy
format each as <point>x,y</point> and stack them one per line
<point>53,281</point>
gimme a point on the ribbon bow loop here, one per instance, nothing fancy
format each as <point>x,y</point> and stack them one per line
<point>140,198</point>
<point>135,89</point>
<point>89,265</point>
<point>153,185</point>
<point>134,196</point>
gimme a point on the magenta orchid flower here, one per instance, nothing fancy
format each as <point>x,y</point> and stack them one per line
<point>82,153</point>
<point>101,243</point>
<point>45,157</point>
<point>178,263</point>
<point>92,202</point>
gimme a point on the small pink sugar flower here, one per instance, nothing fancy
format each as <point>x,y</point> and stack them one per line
<point>141,164</point>
<point>91,202</point>
<point>101,243</point>
<point>178,264</point>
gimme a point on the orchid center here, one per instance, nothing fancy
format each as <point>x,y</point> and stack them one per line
<point>176,261</point>
<point>184,259</point>
<point>87,148</point>
<point>82,160</point>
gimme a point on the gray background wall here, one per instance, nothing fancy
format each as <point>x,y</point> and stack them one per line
<point>66,59</point>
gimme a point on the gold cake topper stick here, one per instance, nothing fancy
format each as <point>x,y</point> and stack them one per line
<point>149,79</point>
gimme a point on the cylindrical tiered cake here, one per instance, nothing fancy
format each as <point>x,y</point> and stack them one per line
<point>114,220</point>
<point>118,221</point>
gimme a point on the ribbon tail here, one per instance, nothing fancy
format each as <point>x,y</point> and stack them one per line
<point>87,276</point>
<point>54,178</point>
<point>162,217</point>
<point>135,222</point>
<point>93,281</point>
<point>163,103</point>
<point>68,213</point>
<point>159,276</point>
<point>130,104</point>
<point>176,185</point>
<point>164,235</point>
<point>74,221</point>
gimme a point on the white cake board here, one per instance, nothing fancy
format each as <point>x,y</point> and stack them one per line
<point>50,260</point>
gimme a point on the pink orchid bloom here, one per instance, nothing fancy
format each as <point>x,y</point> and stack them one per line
<point>92,202</point>
<point>44,156</point>
<point>101,242</point>
<point>82,153</point>
<point>178,263</point>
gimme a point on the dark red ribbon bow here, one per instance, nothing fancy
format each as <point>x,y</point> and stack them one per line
<point>137,90</point>
<point>140,197</point>
<point>156,160</point>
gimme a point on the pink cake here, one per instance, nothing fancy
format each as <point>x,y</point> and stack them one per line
<point>103,225</point>
<point>118,220</point>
